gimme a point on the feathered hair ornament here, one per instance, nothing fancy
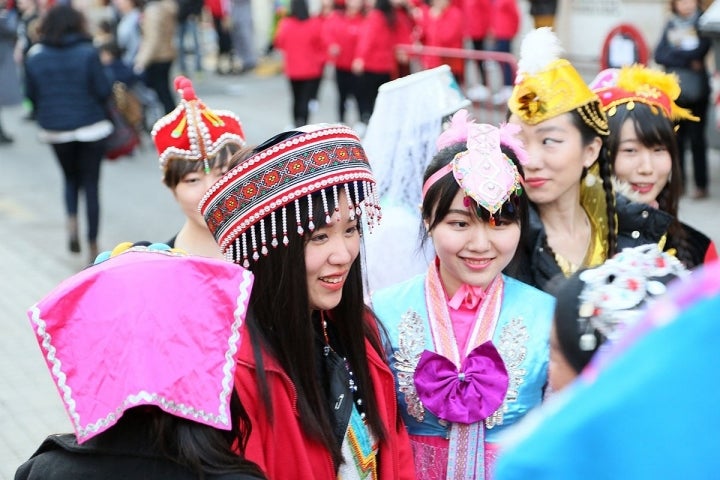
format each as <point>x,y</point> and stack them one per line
<point>637,83</point>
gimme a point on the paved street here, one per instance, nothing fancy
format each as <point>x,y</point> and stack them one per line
<point>135,206</point>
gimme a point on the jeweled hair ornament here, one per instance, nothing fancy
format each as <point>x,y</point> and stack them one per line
<point>547,86</point>
<point>637,83</point>
<point>192,131</point>
<point>246,209</point>
<point>483,171</point>
<point>615,294</point>
<point>145,325</point>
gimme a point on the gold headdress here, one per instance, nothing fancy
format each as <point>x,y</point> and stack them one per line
<point>547,86</point>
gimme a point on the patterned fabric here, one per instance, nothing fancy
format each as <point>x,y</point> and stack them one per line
<point>520,336</point>
<point>324,159</point>
<point>359,450</point>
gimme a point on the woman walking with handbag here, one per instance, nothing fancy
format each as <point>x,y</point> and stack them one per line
<point>682,50</point>
<point>67,85</point>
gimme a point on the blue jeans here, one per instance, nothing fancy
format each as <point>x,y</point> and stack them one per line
<point>189,26</point>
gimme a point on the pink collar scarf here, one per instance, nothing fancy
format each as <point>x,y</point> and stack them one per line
<point>462,387</point>
<point>145,327</point>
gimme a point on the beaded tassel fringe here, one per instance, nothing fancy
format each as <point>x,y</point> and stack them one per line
<point>269,225</point>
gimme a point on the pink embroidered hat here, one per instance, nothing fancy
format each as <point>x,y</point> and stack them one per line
<point>145,327</point>
<point>246,209</point>
<point>194,132</point>
<point>483,171</point>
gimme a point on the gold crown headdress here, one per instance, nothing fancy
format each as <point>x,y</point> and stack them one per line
<point>637,83</point>
<point>547,86</point>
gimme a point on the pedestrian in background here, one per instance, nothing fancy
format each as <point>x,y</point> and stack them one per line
<point>157,48</point>
<point>341,29</point>
<point>189,13</point>
<point>243,34</point>
<point>300,37</point>
<point>69,89</point>
<point>375,56</point>
<point>682,50</point>
<point>10,91</point>
<point>220,12</point>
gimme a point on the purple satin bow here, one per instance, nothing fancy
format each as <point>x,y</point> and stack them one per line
<point>468,396</point>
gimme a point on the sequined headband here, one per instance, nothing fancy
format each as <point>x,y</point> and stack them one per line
<point>192,131</point>
<point>615,293</point>
<point>640,84</point>
<point>483,171</point>
<point>241,208</point>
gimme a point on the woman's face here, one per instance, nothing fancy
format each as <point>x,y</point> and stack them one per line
<point>470,250</point>
<point>329,253</point>
<point>557,157</point>
<point>560,373</point>
<point>645,169</point>
<point>685,8</point>
<point>190,190</point>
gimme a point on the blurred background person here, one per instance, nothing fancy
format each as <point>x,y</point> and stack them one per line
<point>10,91</point>
<point>69,89</point>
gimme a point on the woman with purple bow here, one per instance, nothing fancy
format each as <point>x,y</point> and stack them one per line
<point>469,344</point>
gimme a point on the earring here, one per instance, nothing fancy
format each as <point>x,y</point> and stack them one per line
<point>590,180</point>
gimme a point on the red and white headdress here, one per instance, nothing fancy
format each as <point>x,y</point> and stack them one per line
<point>194,132</point>
<point>637,83</point>
<point>242,208</point>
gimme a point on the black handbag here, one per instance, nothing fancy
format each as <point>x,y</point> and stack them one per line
<point>693,85</point>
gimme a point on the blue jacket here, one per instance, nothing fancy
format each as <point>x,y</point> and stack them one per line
<point>67,84</point>
<point>521,336</point>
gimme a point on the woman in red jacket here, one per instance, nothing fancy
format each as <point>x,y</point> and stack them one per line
<point>300,37</point>
<point>341,30</point>
<point>442,26</point>
<point>311,373</point>
<point>375,58</point>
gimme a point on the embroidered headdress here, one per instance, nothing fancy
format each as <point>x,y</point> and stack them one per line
<point>147,326</point>
<point>638,83</point>
<point>246,208</point>
<point>483,171</point>
<point>192,131</point>
<point>598,304</point>
<point>547,86</point>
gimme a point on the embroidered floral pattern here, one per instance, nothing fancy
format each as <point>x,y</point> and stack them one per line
<point>512,346</point>
<point>411,343</point>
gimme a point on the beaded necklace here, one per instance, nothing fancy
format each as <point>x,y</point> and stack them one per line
<point>352,386</point>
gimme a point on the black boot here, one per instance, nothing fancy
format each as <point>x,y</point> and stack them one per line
<point>73,237</point>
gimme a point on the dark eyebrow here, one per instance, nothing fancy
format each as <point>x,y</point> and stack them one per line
<point>459,212</point>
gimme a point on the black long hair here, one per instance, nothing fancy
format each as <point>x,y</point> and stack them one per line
<point>654,129</point>
<point>439,197</point>
<point>279,321</point>
<point>200,448</point>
